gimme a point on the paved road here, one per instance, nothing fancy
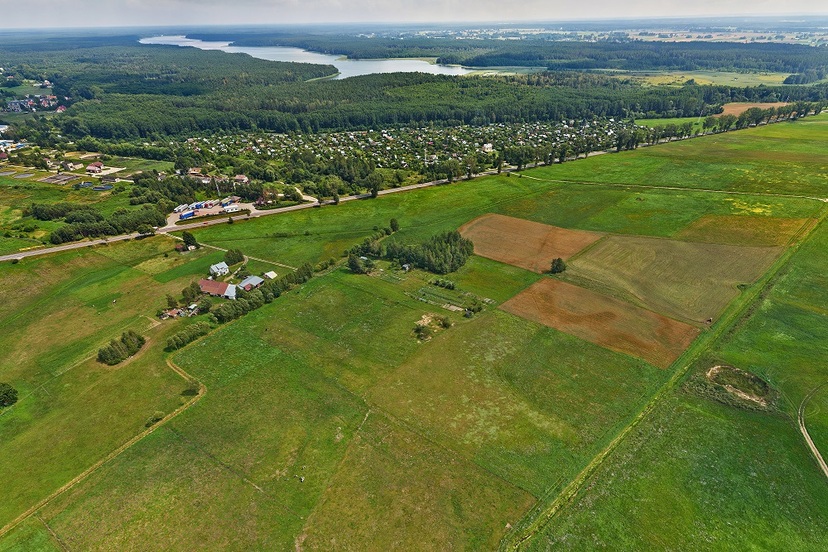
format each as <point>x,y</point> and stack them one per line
<point>255,213</point>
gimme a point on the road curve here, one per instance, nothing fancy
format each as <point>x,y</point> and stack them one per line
<point>801,419</point>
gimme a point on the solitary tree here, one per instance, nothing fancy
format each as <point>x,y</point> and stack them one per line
<point>558,266</point>
<point>395,225</point>
<point>189,239</point>
<point>8,395</point>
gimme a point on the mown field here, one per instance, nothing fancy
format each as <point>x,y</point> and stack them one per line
<point>326,423</point>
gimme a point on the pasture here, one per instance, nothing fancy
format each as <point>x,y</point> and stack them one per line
<point>73,410</point>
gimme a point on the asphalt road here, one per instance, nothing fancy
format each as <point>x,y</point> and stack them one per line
<point>172,227</point>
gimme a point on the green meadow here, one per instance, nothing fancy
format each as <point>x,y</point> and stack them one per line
<point>325,423</point>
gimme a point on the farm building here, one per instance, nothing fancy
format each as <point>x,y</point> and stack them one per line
<point>95,168</point>
<point>270,275</point>
<point>219,269</point>
<point>251,282</point>
<point>217,289</point>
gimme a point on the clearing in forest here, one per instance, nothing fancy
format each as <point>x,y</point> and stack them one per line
<point>523,243</point>
<point>604,320</point>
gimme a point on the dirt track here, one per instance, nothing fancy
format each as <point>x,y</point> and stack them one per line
<point>801,420</point>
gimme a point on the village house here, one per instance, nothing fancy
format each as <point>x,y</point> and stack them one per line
<point>69,166</point>
<point>219,269</point>
<point>218,289</point>
<point>240,179</point>
<point>95,168</point>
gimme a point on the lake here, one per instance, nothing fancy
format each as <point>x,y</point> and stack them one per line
<point>346,67</point>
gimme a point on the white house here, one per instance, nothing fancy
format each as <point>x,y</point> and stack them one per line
<point>219,269</point>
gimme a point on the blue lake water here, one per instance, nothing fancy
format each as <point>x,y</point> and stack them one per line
<point>346,67</point>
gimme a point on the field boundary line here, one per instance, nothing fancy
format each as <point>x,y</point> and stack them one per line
<point>54,535</point>
<point>672,188</point>
<point>801,421</point>
<point>732,315</point>
<point>202,390</point>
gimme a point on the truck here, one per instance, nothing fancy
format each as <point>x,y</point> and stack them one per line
<point>187,215</point>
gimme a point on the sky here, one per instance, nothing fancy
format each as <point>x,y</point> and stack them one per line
<point>107,13</point>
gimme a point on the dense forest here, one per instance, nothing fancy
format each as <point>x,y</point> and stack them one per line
<point>124,91</point>
<point>545,51</point>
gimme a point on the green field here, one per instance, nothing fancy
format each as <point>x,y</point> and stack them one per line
<point>327,424</point>
<point>76,302</point>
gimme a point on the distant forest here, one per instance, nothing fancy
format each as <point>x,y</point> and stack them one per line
<point>125,91</point>
<point>628,55</point>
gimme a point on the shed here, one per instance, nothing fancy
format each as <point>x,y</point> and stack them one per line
<point>251,282</point>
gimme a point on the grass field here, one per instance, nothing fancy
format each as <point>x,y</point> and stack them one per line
<point>684,280</point>
<point>327,423</point>
<point>72,410</point>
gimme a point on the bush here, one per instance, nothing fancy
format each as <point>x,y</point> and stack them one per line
<point>187,335</point>
<point>8,395</point>
<point>119,350</point>
<point>558,266</point>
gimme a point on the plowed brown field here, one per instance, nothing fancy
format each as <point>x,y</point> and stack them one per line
<point>523,243</point>
<point>603,320</point>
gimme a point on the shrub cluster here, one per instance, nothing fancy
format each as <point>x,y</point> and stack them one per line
<point>119,350</point>
<point>233,256</point>
<point>85,223</point>
<point>445,284</point>
<point>187,335</point>
<point>8,395</point>
<point>441,254</point>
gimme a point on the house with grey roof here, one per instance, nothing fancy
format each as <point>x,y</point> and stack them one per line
<point>219,269</point>
<point>251,282</point>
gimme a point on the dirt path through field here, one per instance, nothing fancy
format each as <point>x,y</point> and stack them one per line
<point>801,419</point>
<point>202,390</point>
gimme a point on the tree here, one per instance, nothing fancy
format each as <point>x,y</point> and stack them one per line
<point>189,239</point>
<point>145,230</point>
<point>233,256</point>
<point>558,266</point>
<point>395,225</point>
<point>355,264</point>
<point>171,301</point>
<point>8,395</point>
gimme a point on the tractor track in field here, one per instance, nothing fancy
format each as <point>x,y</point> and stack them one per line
<point>202,390</point>
<point>801,422</point>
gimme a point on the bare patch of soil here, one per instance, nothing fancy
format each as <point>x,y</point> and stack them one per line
<point>604,320</point>
<point>523,243</point>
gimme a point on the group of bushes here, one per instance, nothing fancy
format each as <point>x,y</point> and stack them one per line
<point>8,395</point>
<point>86,223</point>
<point>187,335</point>
<point>445,284</point>
<point>119,350</point>
<point>233,256</point>
<point>441,254</point>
